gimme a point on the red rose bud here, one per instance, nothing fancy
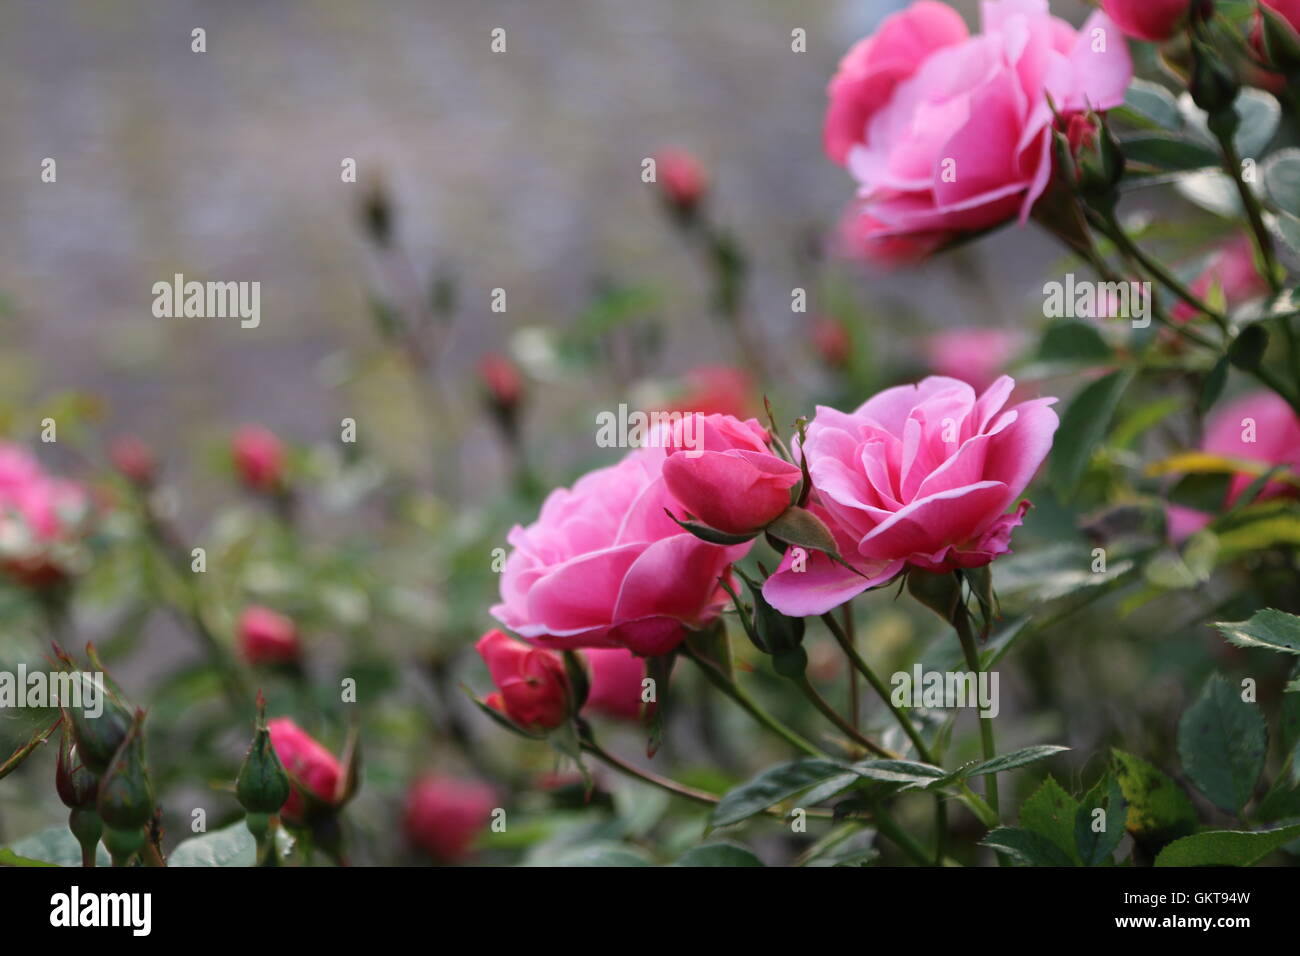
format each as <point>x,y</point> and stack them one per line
<point>444,816</point>
<point>533,689</point>
<point>616,684</point>
<point>682,180</point>
<point>721,471</point>
<point>501,379</point>
<point>831,342</point>
<point>133,459</point>
<point>1152,20</point>
<point>715,389</point>
<point>266,637</point>
<point>260,458</point>
<point>308,764</point>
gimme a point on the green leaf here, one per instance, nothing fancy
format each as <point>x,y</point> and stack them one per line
<point>57,846</point>
<point>1070,340</point>
<point>770,787</point>
<point>802,528</point>
<point>1082,427</point>
<point>718,854</point>
<point>1026,847</point>
<point>1169,153</point>
<point>1003,762</point>
<point>1158,809</point>
<point>1226,847</point>
<point>1050,812</point>
<point>909,772</point>
<point>1212,190</point>
<point>1281,173</point>
<point>601,853</point>
<point>10,858</point>
<point>1222,742</point>
<point>1213,386</point>
<point>1269,628</point>
<point>1097,847</point>
<point>1151,104</point>
<point>230,846</point>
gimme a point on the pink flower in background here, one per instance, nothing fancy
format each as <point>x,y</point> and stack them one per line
<point>605,566</point>
<point>715,390</point>
<point>532,688</point>
<point>832,342</point>
<point>976,356</point>
<point>1152,20</point>
<point>444,815</point>
<point>307,762</point>
<point>722,472</point>
<point>267,637</point>
<point>1260,427</point>
<point>1290,10</point>
<point>681,177</point>
<point>616,676</point>
<point>1232,270</point>
<point>501,380</point>
<point>41,518</point>
<point>948,133</point>
<point>133,459</point>
<point>260,458</point>
<point>920,475</point>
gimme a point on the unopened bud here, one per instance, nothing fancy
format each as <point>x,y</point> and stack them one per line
<point>1214,88</point>
<point>262,785</point>
<point>98,738</point>
<point>77,785</point>
<point>1277,40</point>
<point>126,799</point>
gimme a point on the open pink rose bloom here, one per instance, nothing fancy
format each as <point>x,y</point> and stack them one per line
<point>919,475</point>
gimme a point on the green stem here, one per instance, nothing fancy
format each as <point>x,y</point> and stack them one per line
<point>886,825</point>
<point>1250,202</point>
<point>831,714</point>
<point>879,687</point>
<point>749,705</point>
<point>961,622</point>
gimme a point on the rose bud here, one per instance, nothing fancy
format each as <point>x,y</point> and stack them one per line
<point>831,342</point>
<point>133,459</point>
<point>266,637</point>
<point>503,388</point>
<point>722,472</point>
<point>682,180</point>
<point>616,683</point>
<point>1152,20</point>
<point>76,784</point>
<point>260,458</point>
<point>1275,37</point>
<point>98,738</point>
<point>125,802</point>
<point>308,764</point>
<point>262,786</point>
<point>715,390</point>
<point>533,689</point>
<point>444,816</point>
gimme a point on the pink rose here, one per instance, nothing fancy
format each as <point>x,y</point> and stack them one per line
<point>133,459</point>
<point>722,472</point>
<point>948,133</point>
<point>976,356</point>
<point>266,637</point>
<point>1260,427</point>
<point>444,816</point>
<point>681,178</point>
<point>920,475</point>
<point>1152,20</point>
<point>860,237</point>
<point>42,520</point>
<point>532,688</point>
<point>1232,270</point>
<point>307,762</point>
<point>616,676</point>
<point>604,566</point>
<point>260,458</point>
